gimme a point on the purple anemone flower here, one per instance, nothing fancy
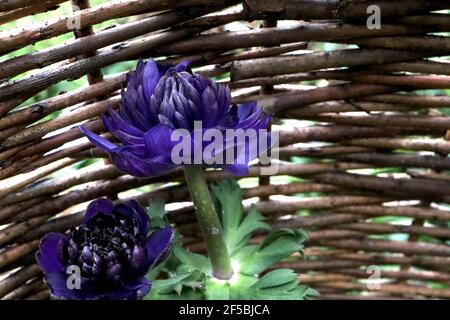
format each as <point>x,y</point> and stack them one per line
<point>162,99</point>
<point>106,257</point>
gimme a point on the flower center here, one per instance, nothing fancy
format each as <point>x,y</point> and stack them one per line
<point>103,248</point>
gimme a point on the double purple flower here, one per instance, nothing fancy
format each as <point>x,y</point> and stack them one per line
<point>162,98</point>
<point>108,255</point>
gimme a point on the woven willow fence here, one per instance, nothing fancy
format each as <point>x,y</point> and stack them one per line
<point>361,113</point>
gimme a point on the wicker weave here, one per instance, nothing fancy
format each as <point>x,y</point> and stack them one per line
<point>363,128</point>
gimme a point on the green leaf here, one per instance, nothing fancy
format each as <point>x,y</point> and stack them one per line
<point>229,195</point>
<point>237,228</point>
<point>276,246</point>
<point>217,290</point>
<point>168,285</point>
<point>187,295</point>
<point>298,292</point>
<point>253,221</point>
<point>193,260</point>
<point>276,278</point>
<point>176,284</point>
<point>280,284</point>
<point>157,213</point>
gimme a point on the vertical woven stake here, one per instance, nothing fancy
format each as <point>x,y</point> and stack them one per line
<point>94,76</point>
<point>266,90</point>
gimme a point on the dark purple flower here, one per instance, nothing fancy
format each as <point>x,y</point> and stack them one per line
<point>111,251</point>
<point>162,98</point>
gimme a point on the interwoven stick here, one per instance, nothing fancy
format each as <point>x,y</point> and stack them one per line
<point>40,295</point>
<point>125,182</point>
<point>95,41</point>
<point>36,8</point>
<point>393,288</point>
<point>378,228</point>
<point>45,107</point>
<point>424,275</point>
<point>18,278</point>
<point>406,211</point>
<point>27,232</point>
<point>275,36</point>
<point>24,289</point>
<point>421,188</point>
<point>9,255</point>
<point>392,246</point>
<point>90,17</point>
<point>14,4</point>
<point>20,162</point>
<point>421,144</point>
<point>332,9</point>
<point>9,210</point>
<point>424,43</point>
<point>279,65</point>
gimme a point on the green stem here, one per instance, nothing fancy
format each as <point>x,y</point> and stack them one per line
<point>209,222</point>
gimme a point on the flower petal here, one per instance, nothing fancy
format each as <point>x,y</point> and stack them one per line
<point>210,108</point>
<point>183,66</point>
<point>59,289</point>
<point>151,77</point>
<point>138,167</point>
<point>100,142</point>
<point>158,140</point>
<point>102,205</point>
<point>50,256</point>
<point>237,169</point>
<point>120,124</point>
<point>137,213</point>
<point>141,215</point>
<point>134,290</point>
<point>248,113</point>
<point>158,245</point>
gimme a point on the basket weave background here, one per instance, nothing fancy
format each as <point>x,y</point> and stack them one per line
<point>361,114</point>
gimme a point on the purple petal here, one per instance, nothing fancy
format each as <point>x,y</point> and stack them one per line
<point>135,166</point>
<point>246,109</point>
<point>164,120</point>
<point>210,107</point>
<point>101,205</point>
<point>158,245</point>
<point>141,215</point>
<point>223,99</point>
<point>263,123</point>
<point>100,142</point>
<point>151,77</point>
<point>183,66</point>
<point>139,150</point>
<point>57,283</point>
<point>125,162</point>
<point>237,169</point>
<point>136,212</point>
<point>134,290</point>
<point>50,256</point>
<point>121,124</point>
<point>138,261</point>
<point>248,114</point>
<point>123,136</point>
<point>140,288</point>
<point>143,106</point>
<point>158,140</point>
<point>181,120</point>
<point>128,100</point>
